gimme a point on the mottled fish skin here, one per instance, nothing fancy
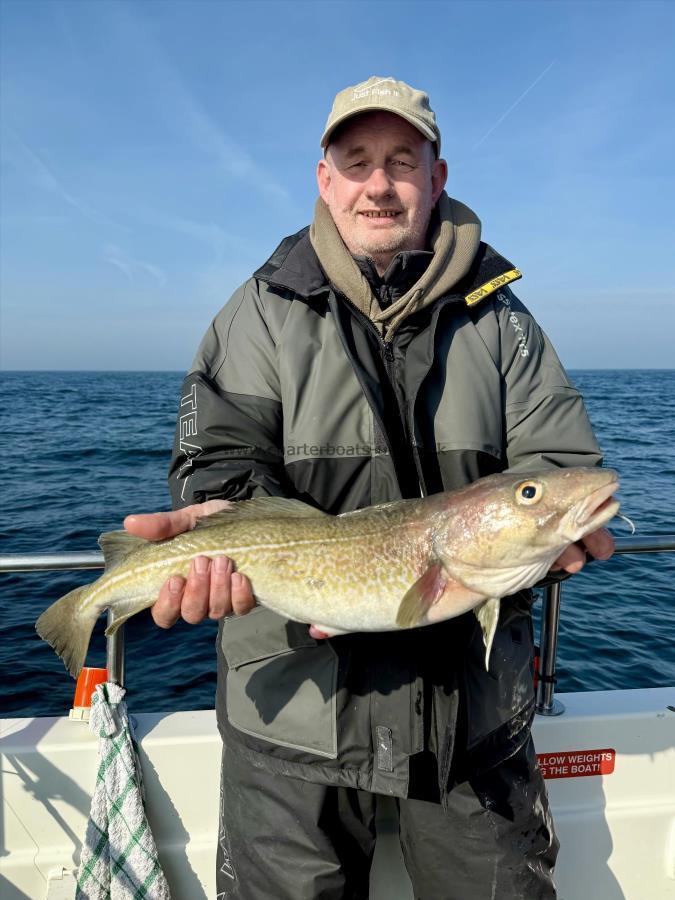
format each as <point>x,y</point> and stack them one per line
<point>401,564</point>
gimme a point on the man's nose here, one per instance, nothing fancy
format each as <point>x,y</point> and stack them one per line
<point>379,184</point>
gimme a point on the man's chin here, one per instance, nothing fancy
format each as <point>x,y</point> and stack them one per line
<point>391,245</point>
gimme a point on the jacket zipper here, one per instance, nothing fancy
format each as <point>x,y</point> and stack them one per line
<point>387,351</point>
<point>407,420</point>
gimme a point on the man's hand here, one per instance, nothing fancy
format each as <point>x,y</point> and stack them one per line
<point>211,589</point>
<point>600,545</point>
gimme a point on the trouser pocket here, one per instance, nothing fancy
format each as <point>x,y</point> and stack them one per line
<point>281,683</point>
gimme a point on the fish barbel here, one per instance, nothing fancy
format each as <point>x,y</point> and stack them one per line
<point>381,568</point>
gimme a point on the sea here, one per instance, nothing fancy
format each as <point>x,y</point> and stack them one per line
<point>83,449</point>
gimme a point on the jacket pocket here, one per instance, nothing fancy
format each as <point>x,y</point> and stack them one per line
<point>281,683</point>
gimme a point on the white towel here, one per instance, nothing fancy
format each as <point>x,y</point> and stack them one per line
<point>119,858</point>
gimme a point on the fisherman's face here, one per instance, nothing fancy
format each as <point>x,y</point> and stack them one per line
<point>380,181</point>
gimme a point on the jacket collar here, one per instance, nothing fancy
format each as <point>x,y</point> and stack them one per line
<point>294,266</point>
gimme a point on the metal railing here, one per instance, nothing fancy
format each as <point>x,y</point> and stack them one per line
<point>546,703</point>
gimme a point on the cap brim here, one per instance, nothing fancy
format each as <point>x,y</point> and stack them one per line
<point>422,127</point>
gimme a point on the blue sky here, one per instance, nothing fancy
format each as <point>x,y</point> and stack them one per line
<point>154,153</point>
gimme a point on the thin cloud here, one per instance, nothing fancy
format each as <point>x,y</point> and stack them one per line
<point>130,266</point>
<point>44,177</point>
<point>231,158</point>
<point>513,106</point>
<point>223,244</point>
<point>183,110</point>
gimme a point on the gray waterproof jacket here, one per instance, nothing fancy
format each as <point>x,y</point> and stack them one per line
<point>294,393</point>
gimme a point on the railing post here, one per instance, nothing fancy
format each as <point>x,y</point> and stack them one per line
<point>115,654</point>
<point>546,703</point>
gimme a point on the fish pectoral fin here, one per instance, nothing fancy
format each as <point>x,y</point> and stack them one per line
<point>117,545</point>
<point>260,508</point>
<point>488,616</point>
<point>421,596</point>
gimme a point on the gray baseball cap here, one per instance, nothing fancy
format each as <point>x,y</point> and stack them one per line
<point>388,95</point>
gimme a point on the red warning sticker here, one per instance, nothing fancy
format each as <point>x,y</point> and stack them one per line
<point>576,763</point>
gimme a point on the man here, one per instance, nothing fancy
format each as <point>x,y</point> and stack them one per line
<point>378,354</point>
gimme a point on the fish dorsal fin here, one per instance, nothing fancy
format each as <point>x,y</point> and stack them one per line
<point>488,616</point>
<point>377,507</point>
<point>260,508</point>
<point>117,545</point>
<point>422,595</point>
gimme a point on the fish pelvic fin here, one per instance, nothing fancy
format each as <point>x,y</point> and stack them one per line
<point>488,616</point>
<point>68,629</point>
<point>132,607</point>
<point>421,596</point>
<point>117,546</point>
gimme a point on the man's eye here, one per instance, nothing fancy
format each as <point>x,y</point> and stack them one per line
<point>402,164</point>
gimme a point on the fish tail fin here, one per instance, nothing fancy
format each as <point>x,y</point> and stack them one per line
<point>68,629</point>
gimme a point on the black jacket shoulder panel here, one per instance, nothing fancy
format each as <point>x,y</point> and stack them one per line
<point>294,265</point>
<point>487,264</point>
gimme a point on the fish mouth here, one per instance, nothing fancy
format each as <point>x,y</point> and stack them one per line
<point>594,511</point>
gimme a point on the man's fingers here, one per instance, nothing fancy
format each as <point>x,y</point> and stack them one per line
<point>572,559</point>
<point>242,594</point>
<point>195,606</point>
<point>162,525</point>
<point>211,589</point>
<point>220,596</point>
<point>600,543</point>
<point>207,589</point>
<point>166,610</point>
<point>209,507</point>
<point>316,633</point>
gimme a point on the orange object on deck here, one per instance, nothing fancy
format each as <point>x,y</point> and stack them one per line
<point>86,685</point>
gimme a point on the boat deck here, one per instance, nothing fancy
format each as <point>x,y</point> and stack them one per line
<point>617,829</point>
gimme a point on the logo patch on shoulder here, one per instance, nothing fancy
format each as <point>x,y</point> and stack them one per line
<point>491,286</point>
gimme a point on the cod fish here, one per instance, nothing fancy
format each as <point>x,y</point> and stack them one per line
<point>397,565</point>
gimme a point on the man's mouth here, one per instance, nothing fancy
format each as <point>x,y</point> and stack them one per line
<point>380,213</point>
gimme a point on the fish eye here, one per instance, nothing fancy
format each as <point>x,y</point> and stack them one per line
<point>528,493</point>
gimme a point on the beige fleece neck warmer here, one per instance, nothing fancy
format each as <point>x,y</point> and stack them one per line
<point>454,243</point>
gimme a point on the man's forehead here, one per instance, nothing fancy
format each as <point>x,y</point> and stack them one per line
<point>363,130</point>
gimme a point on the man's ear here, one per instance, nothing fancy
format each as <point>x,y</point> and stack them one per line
<point>323,178</point>
<point>439,175</point>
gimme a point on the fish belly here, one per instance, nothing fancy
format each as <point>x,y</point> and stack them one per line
<point>346,599</point>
